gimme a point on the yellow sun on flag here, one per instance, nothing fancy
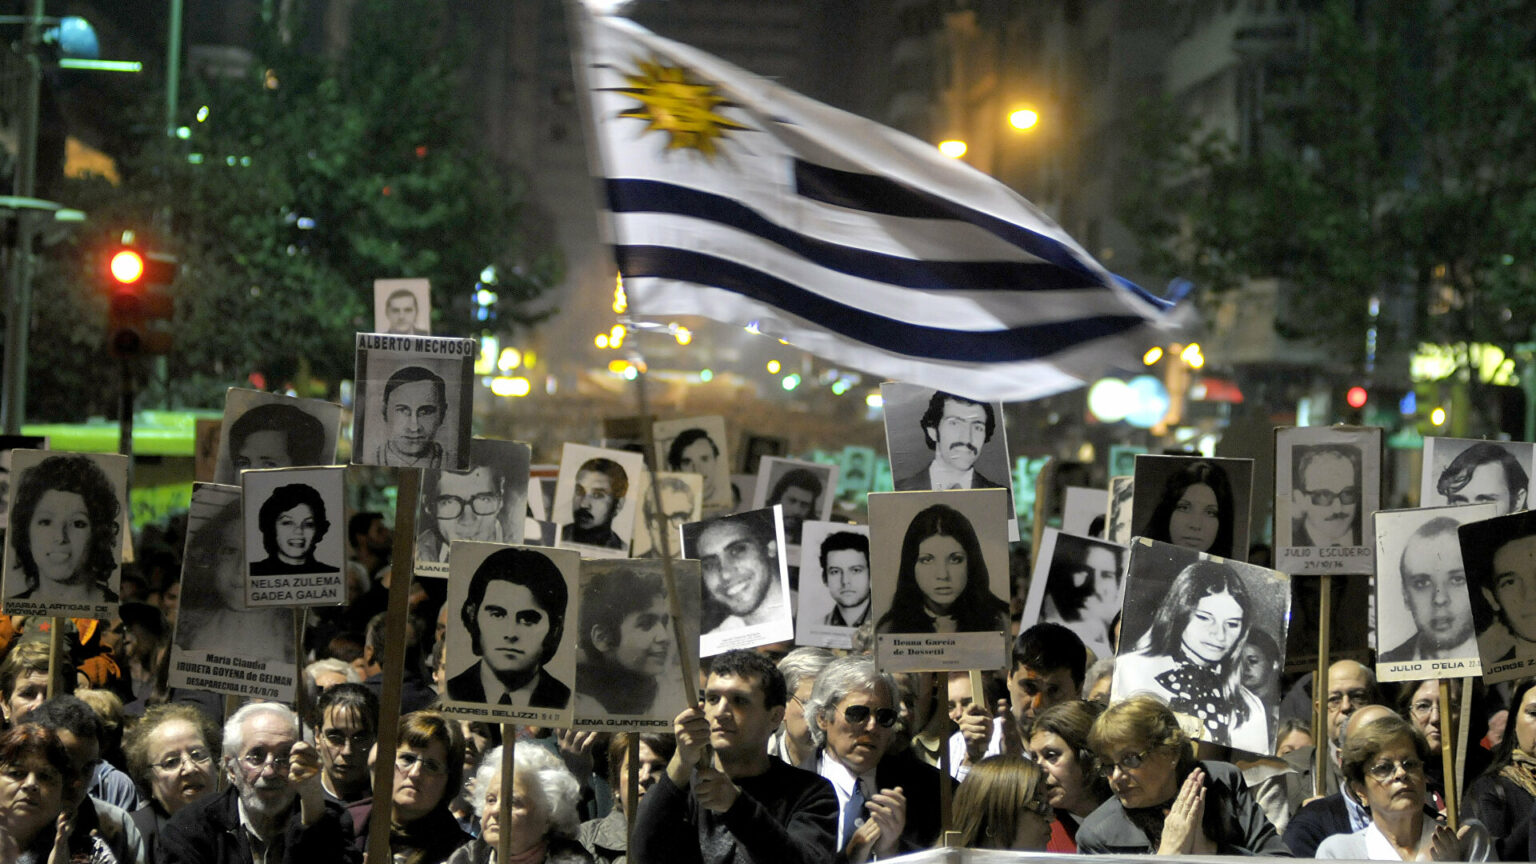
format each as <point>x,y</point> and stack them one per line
<point>671,101</point>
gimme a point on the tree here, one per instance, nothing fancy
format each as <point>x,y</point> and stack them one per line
<point>1397,161</point>
<point>302,181</point>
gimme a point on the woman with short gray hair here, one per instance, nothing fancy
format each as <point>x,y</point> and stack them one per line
<point>544,820</point>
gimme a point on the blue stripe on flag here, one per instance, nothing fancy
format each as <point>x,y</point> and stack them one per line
<point>875,194</point>
<point>1029,342</point>
<point>654,196</point>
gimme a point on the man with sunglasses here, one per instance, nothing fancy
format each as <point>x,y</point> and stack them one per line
<point>1325,496</point>
<point>888,800</point>
<point>274,810</point>
<point>723,799</point>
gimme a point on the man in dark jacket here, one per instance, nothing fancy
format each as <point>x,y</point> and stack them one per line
<point>743,806</point>
<point>275,809</point>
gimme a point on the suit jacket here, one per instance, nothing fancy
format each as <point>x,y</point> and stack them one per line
<point>919,481</point>
<point>547,693</point>
<point>919,782</point>
<point>1405,651</point>
<point>1315,821</point>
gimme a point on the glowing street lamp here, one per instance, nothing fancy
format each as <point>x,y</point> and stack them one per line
<point>1024,119</point>
<point>953,148</point>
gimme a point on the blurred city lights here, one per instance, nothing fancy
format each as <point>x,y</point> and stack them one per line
<point>1437,416</point>
<point>202,114</point>
<point>1192,356</point>
<point>519,386</point>
<point>601,340</point>
<point>706,375</point>
<point>952,148</point>
<point>774,367</point>
<point>510,359</point>
<point>840,386</point>
<point>631,374</point>
<point>1109,399</point>
<point>1024,118</point>
<point>618,366</point>
<point>1154,354</point>
<point>620,299</point>
<point>790,382</point>
<point>874,400</point>
<point>1356,397</point>
<point>684,335</point>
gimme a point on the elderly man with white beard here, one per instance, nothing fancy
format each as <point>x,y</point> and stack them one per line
<point>274,811</point>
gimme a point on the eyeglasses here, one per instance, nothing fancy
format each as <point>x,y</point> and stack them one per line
<point>1323,497</point>
<point>450,506</point>
<point>1356,698</point>
<point>197,756</point>
<point>404,762</point>
<point>278,759</point>
<point>1423,708</point>
<point>1386,769</point>
<point>1128,762</point>
<point>858,715</point>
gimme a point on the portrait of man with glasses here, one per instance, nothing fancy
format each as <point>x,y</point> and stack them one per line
<point>485,503</point>
<point>1325,495</point>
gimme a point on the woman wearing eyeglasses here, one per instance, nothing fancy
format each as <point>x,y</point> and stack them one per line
<point>429,768</point>
<point>1002,805</point>
<point>888,801</point>
<point>1074,788</point>
<point>1165,801</point>
<point>1504,797</point>
<point>1192,654</point>
<point>1383,762</point>
<point>171,755</point>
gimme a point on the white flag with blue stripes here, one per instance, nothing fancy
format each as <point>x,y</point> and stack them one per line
<point>734,198</point>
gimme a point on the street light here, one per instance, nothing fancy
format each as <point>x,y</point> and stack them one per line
<point>1024,119</point>
<point>953,148</point>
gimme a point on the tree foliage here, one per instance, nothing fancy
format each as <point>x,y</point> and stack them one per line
<point>1397,160</point>
<point>307,178</point>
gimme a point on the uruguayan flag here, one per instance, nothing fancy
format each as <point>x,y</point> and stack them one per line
<point>734,198</point>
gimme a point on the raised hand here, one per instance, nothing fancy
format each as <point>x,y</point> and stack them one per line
<point>1181,827</point>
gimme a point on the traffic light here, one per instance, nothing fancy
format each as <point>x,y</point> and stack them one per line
<point>137,306</point>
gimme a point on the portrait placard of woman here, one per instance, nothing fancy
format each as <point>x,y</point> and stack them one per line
<point>292,522</point>
<point>1200,504</point>
<point>1191,652</point>
<point>941,583</point>
<point>65,534</point>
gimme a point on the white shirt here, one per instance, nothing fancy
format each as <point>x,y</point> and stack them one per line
<point>842,780</point>
<point>957,767</point>
<point>1370,844</point>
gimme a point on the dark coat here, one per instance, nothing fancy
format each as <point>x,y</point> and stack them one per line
<point>209,832</point>
<point>547,693</point>
<point>1505,808</point>
<point>1315,821</point>
<point>1233,820</point>
<point>919,782</point>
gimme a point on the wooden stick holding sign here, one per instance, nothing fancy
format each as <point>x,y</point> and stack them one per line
<point>406,502</point>
<point>1320,688</point>
<point>1447,757</point>
<point>504,802</point>
<point>940,697</point>
<point>632,786</point>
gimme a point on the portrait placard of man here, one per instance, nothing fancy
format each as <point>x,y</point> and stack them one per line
<point>845,571</point>
<point>514,612</point>
<point>800,488</point>
<point>597,500</point>
<point>269,430</point>
<point>413,402</point>
<point>1422,571</point>
<point>834,596</point>
<point>696,445</point>
<point>486,503</point>
<point>1325,495</point>
<point>955,428</point>
<point>399,305</point>
<point>746,586</point>
<point>1500,559</point>
<point>1081,589</point>
<point>1460,471</point>
<point>680,496</point>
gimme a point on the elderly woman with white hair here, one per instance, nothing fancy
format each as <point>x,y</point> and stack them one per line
<point>887,799</point>
<point>543,812</point>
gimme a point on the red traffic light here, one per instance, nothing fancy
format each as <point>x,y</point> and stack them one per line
<point>1356,397</point>
<point>127,267</point>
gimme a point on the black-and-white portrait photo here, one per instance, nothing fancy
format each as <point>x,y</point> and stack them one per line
<point>7,444</point>
<point>939,440</point>
<point>65,532</point>
<point>628,667</point>
<point>802,489</point>
<point>697,445</point>
<point>682,501</point>
<point>1423,602</point>
<point>595,500</point>
<point>755,447</point>
<point>1327,485</point>
<point>1196,502</point>
<point>834,597</point>
<point>1499,555</point>
<point>213,621</point>
<point>856,472</point>
<point>1081,588</point>
<point>291,533</point>
<point>1121,492</point>
<point>1465,471</point>
<point>746,580</point>
<point>270,430</point>
<point>509,647</point>
<point>402,307</point>
<point>941,567</point>
<point>413,401</point>
<point>1186,627</point>
<point>487,503</point>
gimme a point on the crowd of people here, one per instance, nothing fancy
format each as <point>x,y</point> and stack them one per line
<point>793,754</point>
